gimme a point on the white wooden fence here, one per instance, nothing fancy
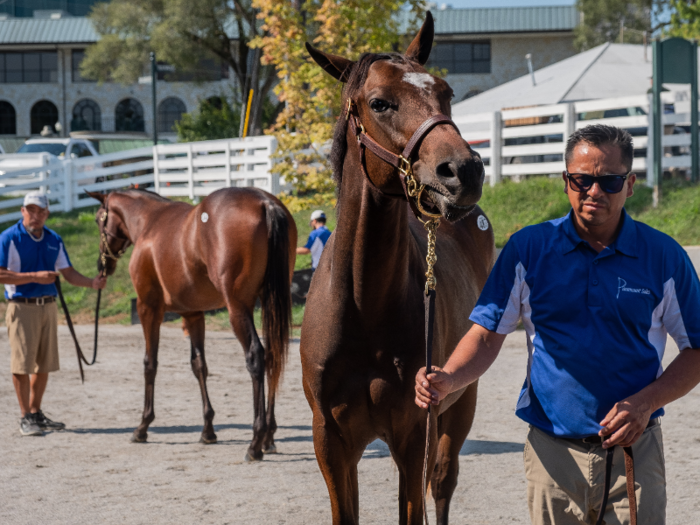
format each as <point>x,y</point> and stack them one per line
<point>190,170</point>
<point>503,143</point>
<point>514,143</point>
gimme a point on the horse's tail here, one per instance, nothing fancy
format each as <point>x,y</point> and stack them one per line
<point>276,297</point>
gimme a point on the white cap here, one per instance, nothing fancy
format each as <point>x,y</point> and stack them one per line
<point>318,214</point>
<point>37,198</point>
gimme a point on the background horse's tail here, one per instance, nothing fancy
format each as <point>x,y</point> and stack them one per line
<point>276,297</point>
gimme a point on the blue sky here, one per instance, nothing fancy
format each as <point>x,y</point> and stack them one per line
<point>503,3</point>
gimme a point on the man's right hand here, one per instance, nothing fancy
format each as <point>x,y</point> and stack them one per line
<point>44,277</point>
<point>433,388</point>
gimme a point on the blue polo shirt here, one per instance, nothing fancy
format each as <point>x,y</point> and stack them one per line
<point>596,323</point>
<point>316,242</point>
<point>21,252</point>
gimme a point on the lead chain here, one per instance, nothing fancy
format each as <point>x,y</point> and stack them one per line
<point>431,227</point>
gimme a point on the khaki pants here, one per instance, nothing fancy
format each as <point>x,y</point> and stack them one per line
<point>33,333</point>
<point>565,481</point>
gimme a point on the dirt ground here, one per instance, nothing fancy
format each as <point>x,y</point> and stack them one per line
<point>91,473</point>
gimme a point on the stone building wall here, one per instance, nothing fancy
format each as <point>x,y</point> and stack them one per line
<point>508,60</point>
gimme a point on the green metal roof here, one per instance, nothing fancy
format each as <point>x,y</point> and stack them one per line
<point>47,31</point>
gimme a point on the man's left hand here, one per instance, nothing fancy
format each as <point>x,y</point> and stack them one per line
<point>99,282</point>
<point>625,423</point>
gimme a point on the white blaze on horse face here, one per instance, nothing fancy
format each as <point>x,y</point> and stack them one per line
<point>420,80</point>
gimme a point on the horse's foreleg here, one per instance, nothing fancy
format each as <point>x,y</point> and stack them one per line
<point>151,318</point>
<point>194,325</point>
<point>453,427</point>
<point>243,326</point>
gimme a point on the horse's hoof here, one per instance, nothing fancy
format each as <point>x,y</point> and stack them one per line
<point>208,440</point>
<point>254,457</point>
<point>138,438</point>
<point>271,449</point>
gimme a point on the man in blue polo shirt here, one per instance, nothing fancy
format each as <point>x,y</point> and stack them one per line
<point>30,257</point>
<point>317,238</point>
<point>597,293</point>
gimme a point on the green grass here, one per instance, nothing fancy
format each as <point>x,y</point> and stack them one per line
<point>510,206</point>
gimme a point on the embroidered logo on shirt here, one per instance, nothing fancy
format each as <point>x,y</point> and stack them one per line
<point>53,248</point>
<point>622,287</point>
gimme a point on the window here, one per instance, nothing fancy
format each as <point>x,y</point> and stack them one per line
<point>86,116</point>
<point>128,116</point>
<point>169,112</point>
<point>44,113</point>
<point>35,67</point>
<point>80,150</point>
<point>77,59</point>
<point>8,119</point>
<point>462,57</point>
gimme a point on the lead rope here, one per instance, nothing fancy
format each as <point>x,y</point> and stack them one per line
<point>431,226</point>
<point>629,474</point>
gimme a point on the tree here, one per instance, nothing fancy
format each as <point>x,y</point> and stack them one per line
<point>685,19</point>
<point>311,97</point>
<point>614,20</point>
<point>182,34</point>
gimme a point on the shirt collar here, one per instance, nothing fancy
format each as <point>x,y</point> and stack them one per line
<point>625,243</point>
<point>23,230</point>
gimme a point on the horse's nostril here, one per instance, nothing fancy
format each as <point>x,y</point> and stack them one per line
<point>446,170</point>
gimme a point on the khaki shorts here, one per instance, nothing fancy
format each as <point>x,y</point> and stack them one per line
<point>565,481</point>
<point>33,333</point>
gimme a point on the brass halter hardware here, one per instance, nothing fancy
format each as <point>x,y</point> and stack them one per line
<point>107,252</point>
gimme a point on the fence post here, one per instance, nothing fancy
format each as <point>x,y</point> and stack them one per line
<point>190,170</point>
<point>67,185</point>
<point>274,177</point>
<point>650,144</point>
<point>496,143</point>
<point>227,152</point>
<point>156,177</point>
<point>569,122</point>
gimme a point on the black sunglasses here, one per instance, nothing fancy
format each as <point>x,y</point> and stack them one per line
<point>581,182</point>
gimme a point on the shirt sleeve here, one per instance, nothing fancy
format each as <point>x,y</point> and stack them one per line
<point>681,317</point>
<point>5,241</point>
<point>310,241</point>
<point>62,261</point>
<point>499,306</point>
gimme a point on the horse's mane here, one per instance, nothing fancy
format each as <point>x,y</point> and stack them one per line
<point>357,79</point>
<point>142,192</point>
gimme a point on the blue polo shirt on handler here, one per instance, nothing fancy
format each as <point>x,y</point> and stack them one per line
<point>21,252</point>
<point>316,242</point>
<point>596,323</point>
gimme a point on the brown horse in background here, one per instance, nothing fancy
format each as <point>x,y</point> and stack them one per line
<point>363,334</point>
<point>234,247</point>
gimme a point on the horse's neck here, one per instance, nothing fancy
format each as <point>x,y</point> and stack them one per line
<point>371,242</point>
<point>134,214</point>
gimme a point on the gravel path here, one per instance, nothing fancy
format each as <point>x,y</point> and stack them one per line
<point>91,473</point>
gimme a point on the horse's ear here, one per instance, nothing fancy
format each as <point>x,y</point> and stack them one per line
<point>336,66</point>
<point>419,50</point>
<point>96,195</point>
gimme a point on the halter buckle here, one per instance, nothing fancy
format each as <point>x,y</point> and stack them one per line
<point>405,166</point>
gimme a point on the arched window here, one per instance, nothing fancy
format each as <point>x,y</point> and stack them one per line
<point>128,116</point>
<point>86,116</point>
<point>8,119</point>
<point>44,113</point>
<point>170,111</point>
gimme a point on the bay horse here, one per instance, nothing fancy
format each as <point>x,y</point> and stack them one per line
<point>362,338</point>
<point>234,247</point>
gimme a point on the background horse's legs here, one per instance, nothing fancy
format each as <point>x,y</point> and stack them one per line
<point>151,317</point>
<point>453,427</point>
<point>194,324</point>
<point>243,326</point>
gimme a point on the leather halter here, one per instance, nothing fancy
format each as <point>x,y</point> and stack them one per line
<point>403,162</point>
<point>107,252</point>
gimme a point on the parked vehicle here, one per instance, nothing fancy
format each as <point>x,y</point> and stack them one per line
<point>64,148</point>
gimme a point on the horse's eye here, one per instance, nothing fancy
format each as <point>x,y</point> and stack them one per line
<point>379,106</point>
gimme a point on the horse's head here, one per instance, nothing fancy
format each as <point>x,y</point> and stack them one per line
<point>114,238</point>
<point>394,95</point>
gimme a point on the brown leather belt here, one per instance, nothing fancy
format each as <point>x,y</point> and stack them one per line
<point>34,300</point>
<point>598,440</point>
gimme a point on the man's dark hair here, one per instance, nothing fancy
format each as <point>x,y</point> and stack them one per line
<point>322,220</point>
<point>600,135</point>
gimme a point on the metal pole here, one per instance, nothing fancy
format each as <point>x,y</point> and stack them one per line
<point>154,78</point>
<point>694,112</point>
<point>658,124</point>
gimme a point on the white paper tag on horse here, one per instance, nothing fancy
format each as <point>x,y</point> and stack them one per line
<point>483,223</point>
<point>205,218</point>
